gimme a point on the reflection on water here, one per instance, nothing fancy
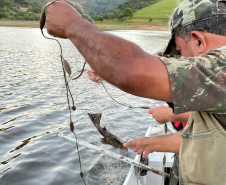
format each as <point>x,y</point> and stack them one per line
<point>33,109</point>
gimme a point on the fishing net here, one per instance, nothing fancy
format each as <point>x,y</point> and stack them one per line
<point>106,170</point>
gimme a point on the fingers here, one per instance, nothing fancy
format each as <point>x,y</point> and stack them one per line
<point>150,111</point>
<point>156,109</point>
<point>95,79</point>
<point>145,154</point>
<point>140,151</point>
<point>60,17</point>
<point>93,76</point>
<point>129,144</point>
<point>90,70</point>
<point>161,114</point>
<point>155,54</point>
<point>138,148</point>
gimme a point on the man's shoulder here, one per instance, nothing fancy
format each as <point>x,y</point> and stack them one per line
<point>198,83</point>
<point>217,51</point>
<point>220,48</point>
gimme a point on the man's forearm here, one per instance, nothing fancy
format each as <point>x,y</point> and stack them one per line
<point>105,51</point>
<point>164,143</point>
<point>120,62</point>
<point>168,143</point>
<point>183,118</point>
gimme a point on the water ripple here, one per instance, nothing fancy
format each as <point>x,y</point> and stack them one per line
<point>33,108</point>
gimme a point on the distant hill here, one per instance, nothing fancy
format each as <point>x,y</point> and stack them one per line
<point>161,10</point>
<point>21,9</point>
<point>137,4</point>
<point>100,6</point>
<point>31,9</point>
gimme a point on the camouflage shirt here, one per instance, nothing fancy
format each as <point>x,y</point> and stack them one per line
<point>199,83</point>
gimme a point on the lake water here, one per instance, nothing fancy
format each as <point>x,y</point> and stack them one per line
<point>33,108</point>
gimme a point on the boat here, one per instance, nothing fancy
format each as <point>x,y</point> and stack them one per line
<point>143,171</point>
<point>161,161</point>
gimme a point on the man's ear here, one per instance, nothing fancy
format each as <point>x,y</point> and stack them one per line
<point>199,41</point>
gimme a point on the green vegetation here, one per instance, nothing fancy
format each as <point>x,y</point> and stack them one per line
<point>155,16</point>
<point>137,4</point>
<point>158,12</point>
<point>100,7</point>
<point>114,14</point>
<point>127,12</point>
<point>21,9</point>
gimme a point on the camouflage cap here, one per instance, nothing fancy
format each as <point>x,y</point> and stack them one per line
<point>190,11</point>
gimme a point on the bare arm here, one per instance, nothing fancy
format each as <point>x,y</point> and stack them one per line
<point>120,62</point>
<point>95,78</point>
<point>163,114</point>
<point>183,118</point>
<point>166,143</point>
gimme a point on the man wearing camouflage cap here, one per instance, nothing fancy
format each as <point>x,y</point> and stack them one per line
<point>193,82</point>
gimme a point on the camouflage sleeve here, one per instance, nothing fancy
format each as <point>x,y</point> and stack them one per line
<point>160,53</point>
<point>198,83</point>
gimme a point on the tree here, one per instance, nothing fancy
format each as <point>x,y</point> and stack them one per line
<point>21,2</point>
<point>5,3</point>
<point>98,18</point>
<point>116,13</point>
<point>34,7</point>
<point>4,13</point>
<point>137,4</point>
<point>128,12</point>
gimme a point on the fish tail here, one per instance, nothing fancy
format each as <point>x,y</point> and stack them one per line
<point>95,118</point>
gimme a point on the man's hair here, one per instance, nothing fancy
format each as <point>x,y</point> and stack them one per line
<point>215,25</point>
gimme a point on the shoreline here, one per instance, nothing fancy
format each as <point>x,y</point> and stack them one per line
<point>8,23</point>
<point>100,25</point>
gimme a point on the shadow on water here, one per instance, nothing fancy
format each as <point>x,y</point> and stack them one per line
<point>33,108</point>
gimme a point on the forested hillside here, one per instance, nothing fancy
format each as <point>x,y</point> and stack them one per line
<point>30,9</point>
<point>137,4</point>
<point>100,7</point>
<point>21,9</point>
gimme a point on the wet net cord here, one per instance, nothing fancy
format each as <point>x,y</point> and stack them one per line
<point>125,105</point>
<point>69,94</point>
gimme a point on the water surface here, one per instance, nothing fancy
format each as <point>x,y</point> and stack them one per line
<point>33,108</point>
